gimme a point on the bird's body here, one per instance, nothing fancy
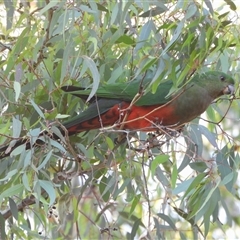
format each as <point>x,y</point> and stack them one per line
<point>114,105</point>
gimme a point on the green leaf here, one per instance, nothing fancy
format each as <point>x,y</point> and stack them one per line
<point>168,220</point>
<point>144,34</point>
<point>25,181</point>
<point>2,227</point>
<point>34,133</point>
<point>13,208</point>
<point>161,177</point>
<point>207,197</point>
<point>183,186</point>
<point>9,175</point>
<point>198,166</point>
<point>102,187</point>
<point>192,9</point>
<point>118,191</point>
<point>13,190</point>
<point>174,175</point>
<point>175,37</point>
<point>61,116</point>
<point>197,180</point>
<point>56,144</point>
<point>10,6</point>
<point>135,202</point>
<point>27,159</point>
<point>231,4</point>
<point>227,179</point>
<point>45,161</point>
<point>17,127</point>
<point>86,9</point>
<point>158,228</point>
<point>38,110</point>
<point>157,161</point>
<point>109,142</point>
<point>48,187</point>
<point>125,39</point>
<point>155,11</point>
<point>18,150</point>
<point>135,228</point>
<point>209,5</point>
<point>210,136</point>
<point>95,74</point>
<point>17,90</point>
<point>50,5</point>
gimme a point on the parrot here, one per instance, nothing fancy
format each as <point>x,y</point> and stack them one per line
<point>113,104</point>
<point>128,106</point>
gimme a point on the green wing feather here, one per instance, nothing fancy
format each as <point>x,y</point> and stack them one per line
<point>125,92</point>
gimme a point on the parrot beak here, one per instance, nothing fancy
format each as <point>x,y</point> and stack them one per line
<point>229,90</point>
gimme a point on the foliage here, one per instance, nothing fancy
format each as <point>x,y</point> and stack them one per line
<point>171,185</point>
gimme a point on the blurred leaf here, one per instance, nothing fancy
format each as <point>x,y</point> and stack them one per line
<point>50,5</point>
<point>62,116</point>
<point>17,89</point>
<point>2,227</point>
<point>34,133</point>
<point>13,190</point>
<point>175,37</point>
<point>144,34</point>
<point>192,9</point>
<point>209,5</point>
<point>209,195</point>
<point>157,161</point>
<point>231,4</point>
<point>18,150</point>
<point>38,110</point>
<point>13,208</point>
<point>118,191</point>
<point>135,227</point>
<point>9,175</point>
<point>17,127</point>
<point>167,219</point>
<point>135,202</point>
<point>181,187</point>
<point>45,161</point>
<point>103,189</point>
<point>109,143</point>
<point>27,158</point>
<point>158,228</point>
<point>197,180</point>
<point>211,137</point>
<point>25,181</point>
<point>174,176</point>
<point>48,187</point>
<point>95,74</point>
<point>126,39</point>
<point>10,12</point>
<point>155,11</point>
<point>161,177</point>
<point>198,166</point>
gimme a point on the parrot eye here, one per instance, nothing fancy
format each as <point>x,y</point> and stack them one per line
<point>222,78</point>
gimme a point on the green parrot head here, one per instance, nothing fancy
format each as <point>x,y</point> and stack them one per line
<point>216,83</point>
